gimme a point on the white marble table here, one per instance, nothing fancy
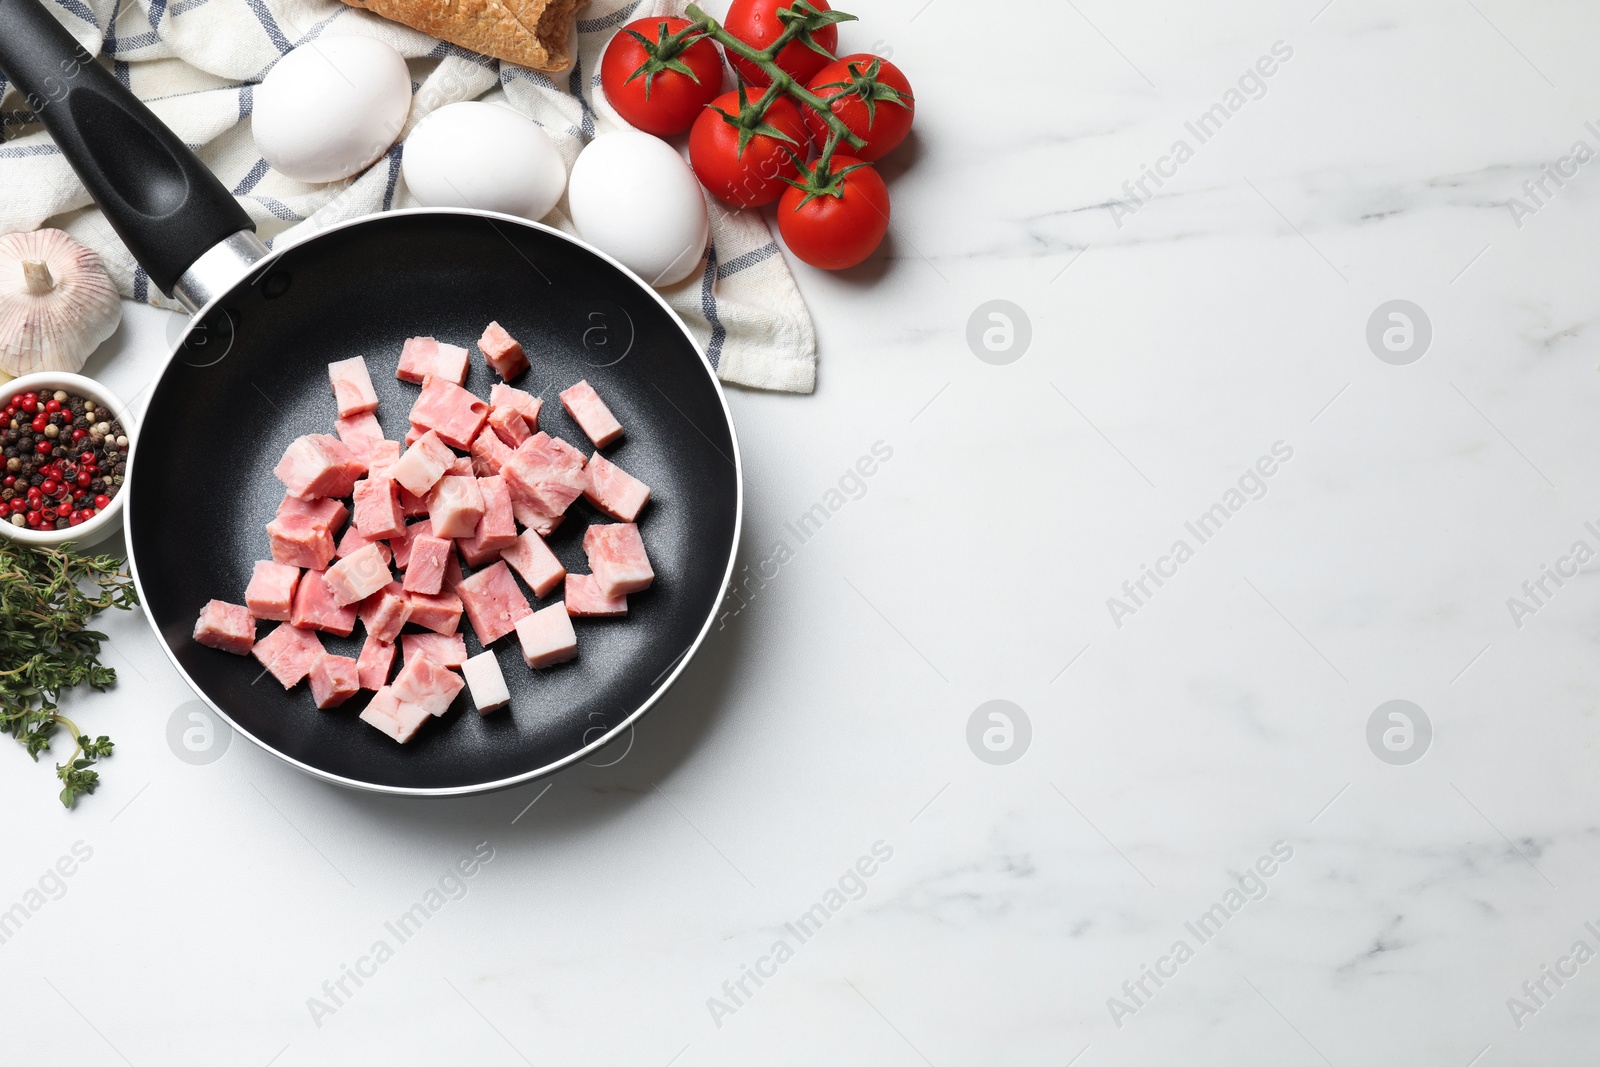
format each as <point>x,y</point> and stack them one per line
<point>1197,731</point>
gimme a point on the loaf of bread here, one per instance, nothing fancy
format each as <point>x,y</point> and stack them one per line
<point>536,34</point>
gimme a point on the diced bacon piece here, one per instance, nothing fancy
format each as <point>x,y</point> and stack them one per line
<point>379,457</point>
<point>494,602</point>
<point>288,653</point>
<point>270,593</point>
<point>426,684</point>
<point>547,637</point>
<point>509,426</point>
<point>497,529</point>
<point>613,490</point>
<point>402,543</point>
<point>358,430</point>
<point>413,434</point>
<point>318,465</point>
<point>334,679</point>
<point>411,505</point>
<point>424,356</point>
<point>462,467</point>
<point>452,572</point>
<point>359,575</point>
<point>297,541</point>
<point>617,558</point>
<point>375,662</point>
<point>488,453</point>
<point>326,512</point>
<point>440,613</point>
<point>455,505</point>
<point>447,650</point>
<point>378,513</point>
<point>591,414</point>
<point>423,464</point>
<point>385,612</point>
<point>352,386</point>
<point>585,599</point>
<point>522,402</point>
<point>354,540</point>
<point>532,559</point>
<point>546,472</point>
<point>450,411</point>
<point>425,572</point>
<point>502,352</point>
<point>229,627</point>
<point>486,683</point>
<point>532,518</point>
<point>315,606</point>
<point>393,716</point>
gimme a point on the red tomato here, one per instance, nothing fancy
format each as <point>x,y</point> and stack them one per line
<point>841,227</point>
<point>752,175</point>
<point>647,92</point>
<point>870,96</point>
<point>756,23</point>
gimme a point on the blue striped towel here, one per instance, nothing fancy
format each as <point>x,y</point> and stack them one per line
<point>197,62</point>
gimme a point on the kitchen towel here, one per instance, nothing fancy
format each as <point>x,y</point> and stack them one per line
<point>197,62</point>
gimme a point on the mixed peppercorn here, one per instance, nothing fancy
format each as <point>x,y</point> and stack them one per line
<point>65,458</point>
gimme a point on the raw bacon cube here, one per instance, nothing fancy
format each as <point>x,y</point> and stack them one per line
<point>440,613</point>
<point>447,650</point>
<point>385,612</point>
<point>509,426</point>
<point>326,512</point>
<point>617,558</point>
<point>297,542</point>
<point>354,540</point>
<point>288,653</point>
<point>452,572</point>
<point>412,434</point>
<point>532,559</point>
<point>402,544</point>
<point>375,662</point>
<point>229,627</point>
<point>425,572</point>
<point>318,465</point>
<point>493,601</point>
<point>462,467</point>
<point>584,599</point>
<point>546,472</point>
<point>502,352</point>
<point>270,593</point>
<point>393,716</point>
<point>359,575</point>
<point>522,402</point>
<point>334,679</point>
<point>379,456</point>
<point>411,505</point>
<point>547,637</point>
<point>613,490</point>
<point>352,386</point>
<point>488,453</point>
<point>455,505</point>
<point>498,527</point>
<point>485,682</point>
<point>378,513</point>
<point>316,607</point>
<point>422,356</point>
<point>357,431</point>
<point>423,464</point>
<point>450,411</point>
<point>591,414</point>
<point>427,685</point>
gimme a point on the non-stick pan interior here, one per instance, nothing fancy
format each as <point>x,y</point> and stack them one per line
<point>252,377</point>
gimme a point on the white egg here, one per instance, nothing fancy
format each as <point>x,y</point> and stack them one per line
<point>331,107</point>
<point>633,197</point>
<point>483,156</point>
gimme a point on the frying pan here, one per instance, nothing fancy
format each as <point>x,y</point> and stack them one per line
<point>249,375</point>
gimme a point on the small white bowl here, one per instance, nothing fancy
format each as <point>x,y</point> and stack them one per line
<point>105,523</point>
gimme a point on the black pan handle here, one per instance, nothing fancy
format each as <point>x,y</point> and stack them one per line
<point>167,207</point>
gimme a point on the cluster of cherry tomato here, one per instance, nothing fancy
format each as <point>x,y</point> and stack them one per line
<point>801,129</point>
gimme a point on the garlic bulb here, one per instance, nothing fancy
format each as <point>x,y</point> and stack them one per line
<point>57,303</point>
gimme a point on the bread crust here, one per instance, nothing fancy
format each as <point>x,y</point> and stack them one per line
<point>536,34</point>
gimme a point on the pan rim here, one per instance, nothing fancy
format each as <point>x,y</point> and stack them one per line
<point>573,757</point>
